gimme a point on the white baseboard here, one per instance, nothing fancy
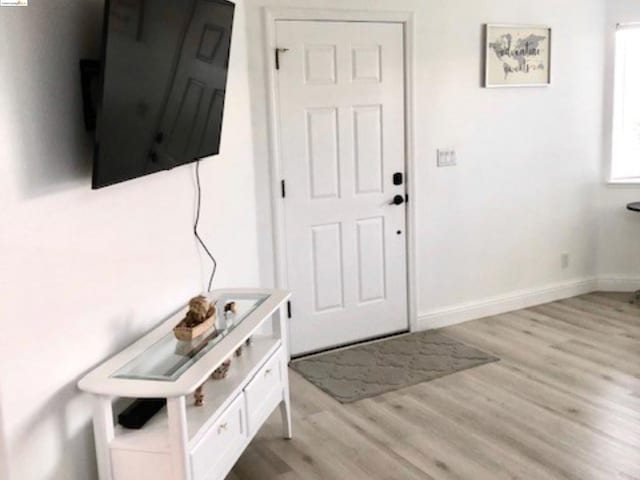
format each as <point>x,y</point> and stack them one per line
<point>613,283</point>
<point>506,303</point>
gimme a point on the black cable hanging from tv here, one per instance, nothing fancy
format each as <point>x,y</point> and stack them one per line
<point>196,223</point>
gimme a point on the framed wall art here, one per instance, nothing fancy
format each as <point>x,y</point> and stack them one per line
<point>517,56</point>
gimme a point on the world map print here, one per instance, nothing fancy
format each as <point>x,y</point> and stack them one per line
<point>517,56</point>
<point>520,54</point>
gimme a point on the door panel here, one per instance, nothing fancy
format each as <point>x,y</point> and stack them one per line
<point>341,107</point>
<point>326,247</point>
<point>320,64</point>
<point>322,152</point>
<point>367,124</point>
<point>366,63</point>
<point>371,268</point>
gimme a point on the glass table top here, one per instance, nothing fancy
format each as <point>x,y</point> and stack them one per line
<point>169,357</point>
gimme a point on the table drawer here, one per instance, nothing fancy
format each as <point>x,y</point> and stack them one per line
<point>221,444</point>
<point>264,391</point>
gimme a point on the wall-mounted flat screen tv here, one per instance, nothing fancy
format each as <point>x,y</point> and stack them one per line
<point>164,76</point>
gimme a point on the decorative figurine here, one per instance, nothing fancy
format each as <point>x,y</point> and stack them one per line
<point>222,371</point>
<point>231,307</point>
<point>200,318</point>
<point>199,396</point>
<point>247,342</point>
<point>200,309</point>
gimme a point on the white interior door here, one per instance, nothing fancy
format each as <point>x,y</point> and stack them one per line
<point>342,139</point>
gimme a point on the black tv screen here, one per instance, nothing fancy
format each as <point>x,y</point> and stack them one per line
<point>163,85</point>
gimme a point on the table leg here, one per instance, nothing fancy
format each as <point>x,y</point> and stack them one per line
<point>178,437</point>
<point>103,431</point>
<point>285,412</point>
<point>281,330</point>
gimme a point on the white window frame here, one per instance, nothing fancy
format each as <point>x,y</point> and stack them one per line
<point>619,95</point>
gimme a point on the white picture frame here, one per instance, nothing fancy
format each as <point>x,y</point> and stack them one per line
<point>517,56</point>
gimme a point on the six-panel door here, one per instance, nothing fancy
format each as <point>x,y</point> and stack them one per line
<point>341,114</point>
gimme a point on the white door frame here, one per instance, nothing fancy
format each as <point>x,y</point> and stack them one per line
<point>271,16</point>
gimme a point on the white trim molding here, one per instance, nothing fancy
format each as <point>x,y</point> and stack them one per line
<point>448,316</point>
<point>505,303</point>
<point>616,283</point>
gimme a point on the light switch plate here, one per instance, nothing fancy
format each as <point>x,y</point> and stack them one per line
<point>447,157</point>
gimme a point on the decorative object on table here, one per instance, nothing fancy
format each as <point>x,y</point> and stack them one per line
<point>517,56</point>
<point>228,312</point>
<point>239,350</point>
<point>199,396</point>
<point>221,372</point>
<point>230,307</point>
<point>200,318</point>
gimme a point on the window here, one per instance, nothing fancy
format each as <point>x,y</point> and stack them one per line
<point>625,164</point>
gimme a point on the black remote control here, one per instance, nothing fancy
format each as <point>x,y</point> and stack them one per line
<point>140,412</point>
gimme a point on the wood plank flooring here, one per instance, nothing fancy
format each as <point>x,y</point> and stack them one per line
<point>563,403</point>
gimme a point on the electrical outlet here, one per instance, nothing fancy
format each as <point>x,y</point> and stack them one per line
<point>447,158</point>
<point>564,261</point>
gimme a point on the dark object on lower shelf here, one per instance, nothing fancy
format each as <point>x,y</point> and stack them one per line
<point>140,412</point>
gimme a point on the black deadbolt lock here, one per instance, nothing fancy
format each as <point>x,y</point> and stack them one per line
<point>398,178</point>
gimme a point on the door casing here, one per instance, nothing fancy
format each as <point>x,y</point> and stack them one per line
<point>271,16</point>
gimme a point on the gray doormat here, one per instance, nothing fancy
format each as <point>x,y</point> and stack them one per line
<point>371,369</point>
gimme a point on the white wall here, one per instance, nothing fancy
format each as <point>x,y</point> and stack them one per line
<point>83,273</point>
<point>4,469</point>
<point>619,235</point>
<point>524,192</point>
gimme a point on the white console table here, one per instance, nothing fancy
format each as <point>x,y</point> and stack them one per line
<point>184,441</point>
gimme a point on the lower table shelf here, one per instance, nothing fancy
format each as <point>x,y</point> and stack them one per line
<point>235,408</point>
<point>218,395</point>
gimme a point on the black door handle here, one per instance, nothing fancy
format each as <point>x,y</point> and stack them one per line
<point>397,200</point>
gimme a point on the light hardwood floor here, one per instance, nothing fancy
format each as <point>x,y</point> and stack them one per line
<point>563,403</point>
